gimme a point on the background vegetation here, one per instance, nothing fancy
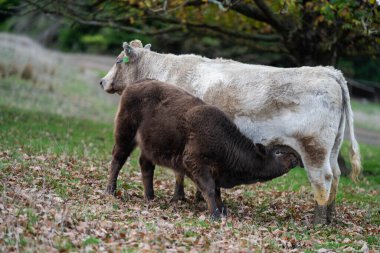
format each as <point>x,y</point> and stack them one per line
<point>343,33</point>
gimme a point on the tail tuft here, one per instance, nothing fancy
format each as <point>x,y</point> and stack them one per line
<point>356,164</point>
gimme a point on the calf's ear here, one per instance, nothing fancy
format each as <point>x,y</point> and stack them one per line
<point>129,50</point>
<point>261,150</point>
<point>147,46</point>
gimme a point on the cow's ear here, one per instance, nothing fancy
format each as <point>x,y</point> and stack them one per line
<point>147,46</point>
<point>261,150</point>
<point>129,50</point>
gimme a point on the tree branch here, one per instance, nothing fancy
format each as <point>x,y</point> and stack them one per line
<point>248,11</point>
<point>104,23</point>
<point>254,37</point>
<point>271,18</point>
<point>241,35</point>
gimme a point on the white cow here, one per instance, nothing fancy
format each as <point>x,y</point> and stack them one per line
<point>305,108</point>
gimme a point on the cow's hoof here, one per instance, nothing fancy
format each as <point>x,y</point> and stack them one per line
<point>199,197</point>
<point>320,215</point>
<point>110,190</point>
<point>331,212</point>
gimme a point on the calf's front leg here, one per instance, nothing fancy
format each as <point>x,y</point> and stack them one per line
<point>125,132</point>
<point>120,154</point>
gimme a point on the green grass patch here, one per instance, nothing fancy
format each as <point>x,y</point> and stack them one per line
<point>38,132</point>
<point>74,98</point>
<point>368,107</point>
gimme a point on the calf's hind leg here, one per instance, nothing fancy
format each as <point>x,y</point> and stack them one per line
<point>206,184</point>
<point>219,201</point>
<point>179,191</point>
<point>147,172</point>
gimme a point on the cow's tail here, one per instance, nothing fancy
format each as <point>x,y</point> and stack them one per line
<point>354,149</point>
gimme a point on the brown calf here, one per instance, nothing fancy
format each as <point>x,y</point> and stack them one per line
<point>177,130</point>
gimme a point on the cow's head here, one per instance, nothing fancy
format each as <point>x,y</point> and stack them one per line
<point>124,71</point>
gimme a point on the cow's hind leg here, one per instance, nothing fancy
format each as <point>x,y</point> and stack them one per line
<point>336,175</point>
<point>147,172</point>
<point>335,169</point>
<point>321,179</point>
<point>334,189</point>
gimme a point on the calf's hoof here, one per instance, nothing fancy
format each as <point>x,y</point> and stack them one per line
<point>110,190</point>
<point>224,211</point>
<point>177,198</point>
<point>320,215</point>
<point>149,197</point>
<point>216,215</point>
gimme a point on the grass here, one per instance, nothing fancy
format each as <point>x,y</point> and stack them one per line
<point>364,114</point>
<point>36,132</point>
<point>368,107</point>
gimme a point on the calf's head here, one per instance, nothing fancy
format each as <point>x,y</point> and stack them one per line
<point>124,71</point>
<point>279,159</point>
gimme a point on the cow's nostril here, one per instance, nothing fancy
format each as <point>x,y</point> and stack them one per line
<point>101,83</point>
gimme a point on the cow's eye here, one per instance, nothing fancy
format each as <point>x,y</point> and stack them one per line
<point>119,61</point>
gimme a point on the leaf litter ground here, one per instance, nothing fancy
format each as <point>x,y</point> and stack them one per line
<point>56,203</point>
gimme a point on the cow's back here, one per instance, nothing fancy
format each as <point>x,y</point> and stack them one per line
<point>268,103</point>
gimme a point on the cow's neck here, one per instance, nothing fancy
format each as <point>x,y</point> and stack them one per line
<point>174,69</point>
